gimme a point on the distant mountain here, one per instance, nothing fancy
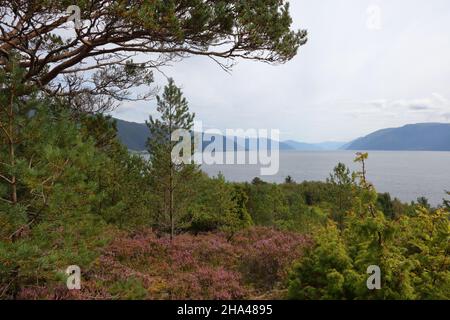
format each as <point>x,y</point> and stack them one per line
<point>134,136</point>
<point>323,146</point>
<point>331,145</point>
<point>413,137</point>
<point>301,146</point>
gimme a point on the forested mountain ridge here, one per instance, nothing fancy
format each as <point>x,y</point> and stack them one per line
<point>413,137</point>
<point>134,136</point>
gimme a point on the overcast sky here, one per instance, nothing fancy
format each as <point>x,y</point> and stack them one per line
<point>360,71</point>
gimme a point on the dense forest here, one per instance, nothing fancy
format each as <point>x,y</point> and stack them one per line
<point>151,229</point>
<point>72,194</point>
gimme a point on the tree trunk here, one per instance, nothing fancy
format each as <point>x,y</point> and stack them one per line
<point>13,178</point>
<point>171,213</point>
<point>12,156</point>
<point>171,173</point>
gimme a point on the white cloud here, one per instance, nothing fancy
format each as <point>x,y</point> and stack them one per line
<point>346,82</point>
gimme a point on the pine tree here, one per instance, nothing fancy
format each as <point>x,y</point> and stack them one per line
<point>342,183</point>
<point>169,177</point>
<point>55,187</point>
<point>13,107</point>
<point>411,251</point>
<point>217,206</point>
<point>447,202</point>
<point>289,180</point>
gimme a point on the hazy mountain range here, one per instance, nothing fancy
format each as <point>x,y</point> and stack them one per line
<point>414,137</point>
<point>135,135</point>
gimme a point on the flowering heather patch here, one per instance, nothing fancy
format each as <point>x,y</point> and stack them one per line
<point>267,255</point>
<point>206,266</point>
<point>207,282</point>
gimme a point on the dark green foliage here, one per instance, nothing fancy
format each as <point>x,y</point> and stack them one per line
<point>423,202</point>
<point>325,270</point>
<point>267,203</point>
<point>128,289</point>
<point>411,252</point>
<point>385,204</point>
<point>288,180</point>
<point>78,65</point>
<point>71,178</point>
<point>170,179</point>
<point>283,205</point>
<point>240,198</point>
<point>315,193</point>
<point>257,181</point>
<point>67,187</point>
<point>184,199</point>
<point>447,203</point>
<point>54,223</point>
<point>341,185</point>
<point>217,205</point>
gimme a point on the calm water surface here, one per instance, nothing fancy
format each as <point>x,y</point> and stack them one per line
<point>406,175</point>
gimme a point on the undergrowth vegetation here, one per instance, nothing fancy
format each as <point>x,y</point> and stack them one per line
<point>71,194</point>
<point>255,264</point>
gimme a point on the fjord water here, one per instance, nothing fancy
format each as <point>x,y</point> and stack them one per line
<point>406,175</point>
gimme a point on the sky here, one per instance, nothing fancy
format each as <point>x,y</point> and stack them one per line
<point>368,65</point>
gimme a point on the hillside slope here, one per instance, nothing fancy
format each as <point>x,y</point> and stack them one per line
<point>134,136</point>
<point>414,137</point>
